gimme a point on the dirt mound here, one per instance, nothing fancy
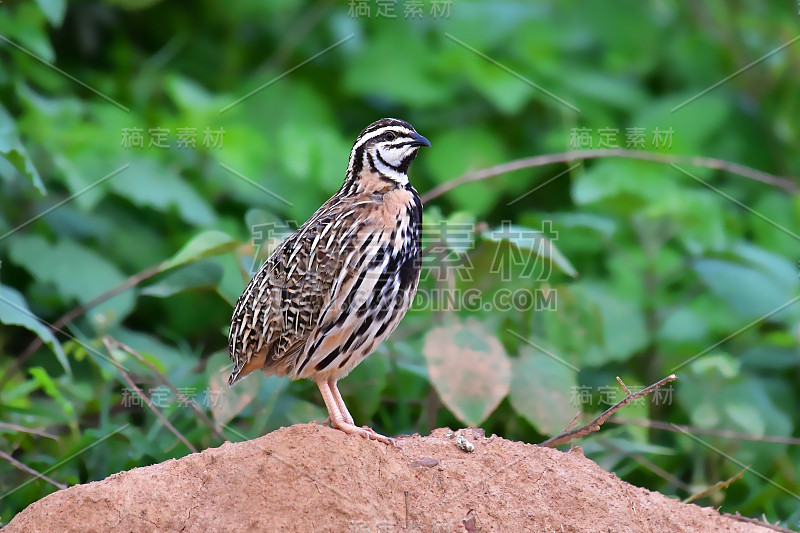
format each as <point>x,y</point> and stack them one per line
<point>313,478</point>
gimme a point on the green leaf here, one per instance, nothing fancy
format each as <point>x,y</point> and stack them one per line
<point>205,244</point>
<point>760,357</point>
<point>533,240</point>
<point>231,283</point>
<point>54,10</point>
<point>626,185</point>
<point>702,220</point>
<point>458,151</point>
<point>720,397</point>
<point>604,226</point>
<point>77,272</point>
<point>12,149</point>
<point>365,384</point>
<point>693,125</point>
<point>25,25</point>
<point>189,94</point>
<point>398,73</point>
<point>624,330</point>
<point>52,389</point>
<point>782,210</point>
<point>14,311</point>
<point>541,389</point>
<point>683,325</point>
<point>200,275</point>
<point>147,183</point>
<point>469,369</point>
<point>133,5</point>
<point>591,84</point>
<point>778,268</point>
<point>749,292</point>
<point>507,93</point>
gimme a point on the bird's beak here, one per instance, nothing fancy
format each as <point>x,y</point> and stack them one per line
<point>419,140</point>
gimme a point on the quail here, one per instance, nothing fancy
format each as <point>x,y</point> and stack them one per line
<point>338,286</point>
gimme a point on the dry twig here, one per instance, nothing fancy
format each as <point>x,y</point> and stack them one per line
<point>723,433</point>
<point>164,381</point>
<point>580,155</point>
<point>23,429</point>
<point>762,523</point>
<point>29,470</point>
<point>595,424</point>
<point>719,485</point>
<point>74,313</point>
<point>648,464</point>
<point>110,347</point>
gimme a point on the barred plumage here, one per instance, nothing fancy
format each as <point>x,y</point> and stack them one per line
<point>338,286</point>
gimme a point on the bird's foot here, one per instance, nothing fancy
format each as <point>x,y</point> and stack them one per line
<point>348,419</point>
<point>366,432</point>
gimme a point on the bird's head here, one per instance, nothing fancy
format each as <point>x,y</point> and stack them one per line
<point>387,147</point>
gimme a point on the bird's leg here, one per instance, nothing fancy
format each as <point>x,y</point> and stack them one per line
<point>338,419</point>
<point>339,401</point>
<point>349,419</point>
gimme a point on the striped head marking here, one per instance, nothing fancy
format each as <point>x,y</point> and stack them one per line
<point>387,146</point>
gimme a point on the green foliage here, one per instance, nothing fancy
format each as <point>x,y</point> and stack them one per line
<point>14,311</point>
<point>630,268</point>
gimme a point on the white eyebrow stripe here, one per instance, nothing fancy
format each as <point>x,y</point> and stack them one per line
<point>378,133</point>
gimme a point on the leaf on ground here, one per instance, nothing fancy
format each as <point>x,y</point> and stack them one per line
<point>541,389</point>
<point>469,368</point>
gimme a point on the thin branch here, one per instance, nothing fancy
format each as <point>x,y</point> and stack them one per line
<point>762,523</point>
<point>624,387</point>
<point>573,421</point>
<point>164,381</point>
<point>723,433</point>
<point>31,471</point>
<point>595,424</point>
<point>143,396</point>
<point>23,429</point>
<point>648,464</point>
<point>719,485</point>
<point>71,315</point>
<point>580,155</point>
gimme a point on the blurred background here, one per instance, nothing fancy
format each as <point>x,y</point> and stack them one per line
<point>152,153</point>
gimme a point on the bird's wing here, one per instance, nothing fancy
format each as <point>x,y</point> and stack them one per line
<point>280,308</point>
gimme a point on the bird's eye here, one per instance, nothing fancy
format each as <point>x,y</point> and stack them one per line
<point>389,136</point>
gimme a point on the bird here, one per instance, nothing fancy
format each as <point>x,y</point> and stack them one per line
<point>340,284</point>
